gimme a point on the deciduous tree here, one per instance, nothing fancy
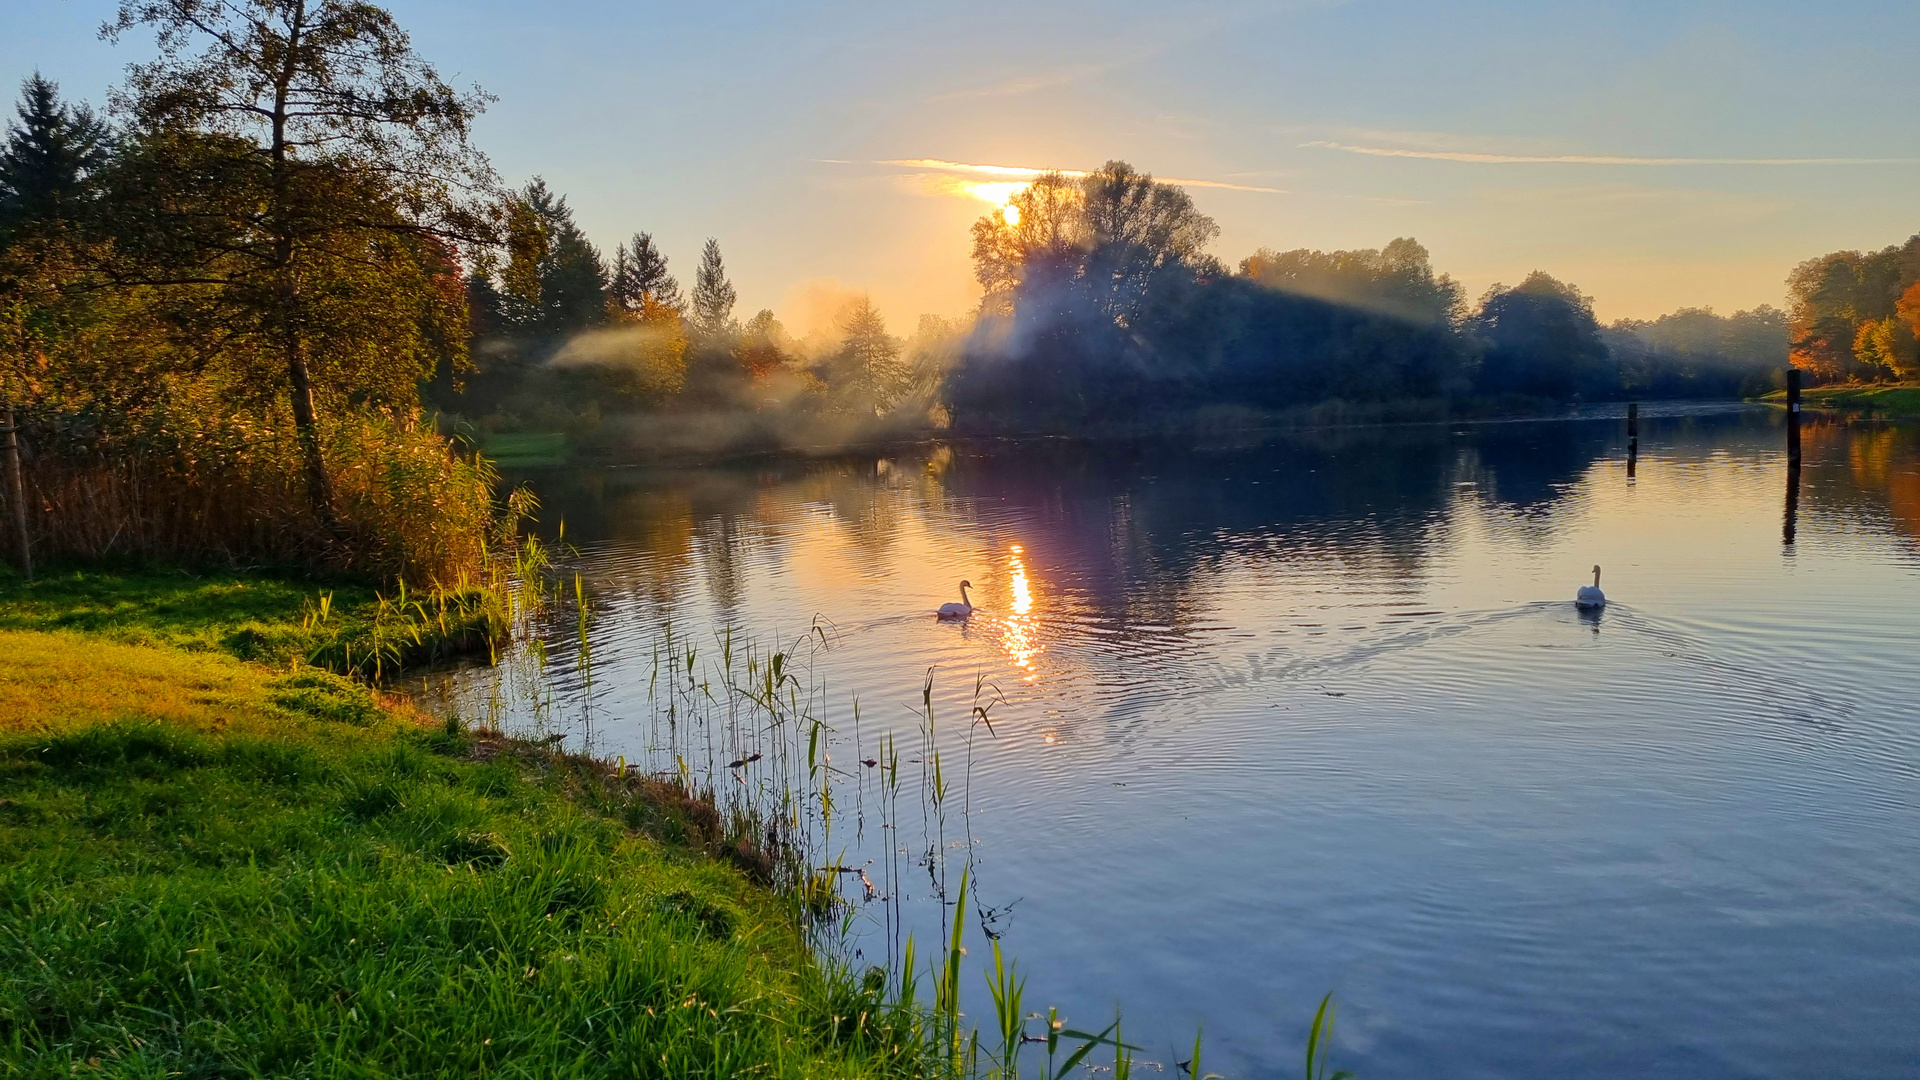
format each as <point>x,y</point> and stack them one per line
<point>305,175</point>
<point>1542,339</point>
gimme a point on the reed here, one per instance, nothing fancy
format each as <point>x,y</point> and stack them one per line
<point>748,731</point>
<point>1319,1038</point>
<point>201,484</point>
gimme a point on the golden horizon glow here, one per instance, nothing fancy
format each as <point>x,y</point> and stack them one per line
<point>996,192</point>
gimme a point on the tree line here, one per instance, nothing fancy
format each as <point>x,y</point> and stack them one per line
<point>566,339</point>
<point>1102,304</point>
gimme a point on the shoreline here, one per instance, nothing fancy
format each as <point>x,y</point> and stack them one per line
<point>170,807</point>
<point>1892,401</point>
<point>1191,427</point>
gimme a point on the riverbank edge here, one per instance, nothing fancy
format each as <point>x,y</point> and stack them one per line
<point>272,616</point>
<point>151,775</point>
<point>1224,424</point>
<point>1894,401</point>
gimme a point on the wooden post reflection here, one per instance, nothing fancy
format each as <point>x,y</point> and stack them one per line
<point>1791,522</point>
<point>1793,502</point>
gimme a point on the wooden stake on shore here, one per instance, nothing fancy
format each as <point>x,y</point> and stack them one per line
<point>17,494</point>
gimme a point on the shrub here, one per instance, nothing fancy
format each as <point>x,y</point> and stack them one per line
<point>196,482</point>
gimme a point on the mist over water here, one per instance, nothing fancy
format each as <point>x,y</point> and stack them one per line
<point>1315,711</point>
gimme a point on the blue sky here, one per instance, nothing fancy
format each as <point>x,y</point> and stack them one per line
<point>1655,154</point>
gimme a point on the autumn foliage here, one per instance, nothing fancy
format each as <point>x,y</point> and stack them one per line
<point>1856,316</point>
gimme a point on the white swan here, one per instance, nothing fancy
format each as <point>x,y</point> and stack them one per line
<point>960,610</point>
<point>1590,597</point>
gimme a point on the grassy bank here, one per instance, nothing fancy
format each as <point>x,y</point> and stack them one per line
<point>530,449</point>
<point>1898,400</point>
<point>344,628</point>
<point>210,866</point>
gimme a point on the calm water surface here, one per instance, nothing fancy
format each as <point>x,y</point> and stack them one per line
<point>1316,712</point>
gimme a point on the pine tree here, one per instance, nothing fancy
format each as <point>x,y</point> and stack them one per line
<point>49,156</point>
<point>569,278</point>
<point>640,277</point>
<point>866,374</point>
<point>554,282</point>
<point>713,295</point>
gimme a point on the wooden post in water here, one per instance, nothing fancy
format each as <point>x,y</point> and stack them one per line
<point>17,494</point>
<point>1793,417</point>
<point>1633,437</point>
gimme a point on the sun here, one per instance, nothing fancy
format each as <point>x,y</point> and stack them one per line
<point>1001,194</point>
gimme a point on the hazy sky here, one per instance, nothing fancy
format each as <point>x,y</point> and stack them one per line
<point>1657,154</point>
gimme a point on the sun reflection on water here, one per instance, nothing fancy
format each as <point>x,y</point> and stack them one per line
<point>1020,640</point>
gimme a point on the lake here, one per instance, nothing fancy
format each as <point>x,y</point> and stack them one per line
<point>1314,711</point>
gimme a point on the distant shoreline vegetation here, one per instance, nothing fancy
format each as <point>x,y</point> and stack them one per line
<point>1101,313</point>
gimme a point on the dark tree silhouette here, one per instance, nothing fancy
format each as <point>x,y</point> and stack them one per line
<point>640,276</point>
<point>1542,340</point>
<point>555,280</point>
<point>52,153</point>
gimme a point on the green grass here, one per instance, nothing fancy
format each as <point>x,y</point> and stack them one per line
<point>525,449</point>
<point>210,868</point>
<point>349,629</point>
<point>1899,400</point>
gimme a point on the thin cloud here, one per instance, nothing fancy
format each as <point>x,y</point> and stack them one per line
<point>1589,159</point>
<point>1024,172</point>
<point>1016,171</point>
<point>1027,84</point>
<point>1138,45</point>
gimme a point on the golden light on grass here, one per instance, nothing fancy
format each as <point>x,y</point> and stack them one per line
<point>58,682</point>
